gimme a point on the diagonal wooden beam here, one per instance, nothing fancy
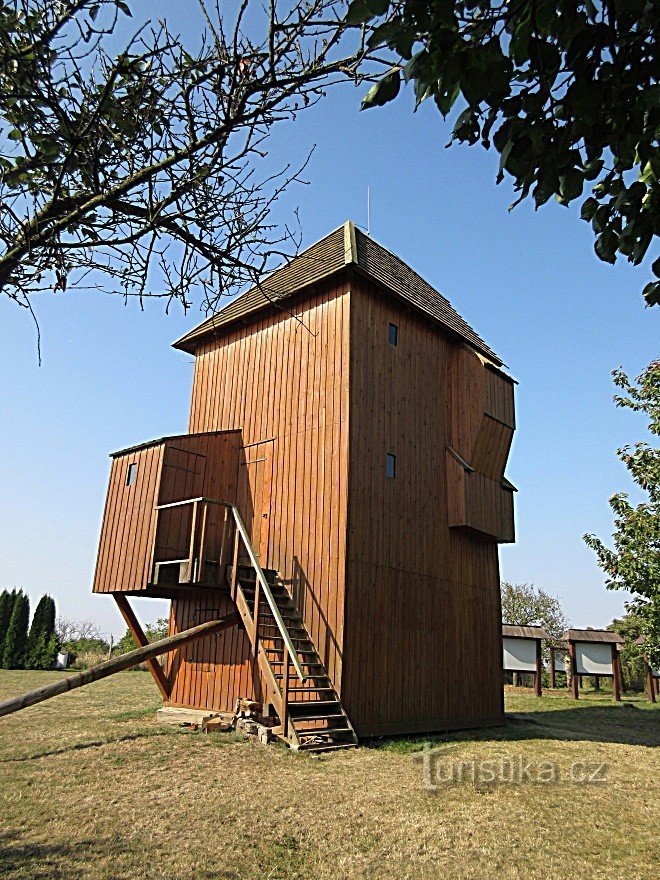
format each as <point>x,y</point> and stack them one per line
<point>140,639</point>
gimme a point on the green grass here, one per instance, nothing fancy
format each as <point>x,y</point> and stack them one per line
<point>92,788</point>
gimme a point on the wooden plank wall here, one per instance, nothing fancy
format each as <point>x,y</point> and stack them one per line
<point>422,619</point>
<point>193,466</point>
<point>127,533</point>
<point>285,378</point>
<point>215,671</point>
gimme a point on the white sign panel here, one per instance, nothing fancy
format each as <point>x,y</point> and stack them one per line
<point>593,658</point>
<point>519,655</point>
<point>560,661</point>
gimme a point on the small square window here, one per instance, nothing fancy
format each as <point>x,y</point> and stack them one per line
<point>393,334</point>
<point>131,474</point>
<point>391,465</point>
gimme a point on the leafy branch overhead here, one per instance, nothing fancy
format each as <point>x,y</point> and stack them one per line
<point>565,90</point>
<point>146,171</point>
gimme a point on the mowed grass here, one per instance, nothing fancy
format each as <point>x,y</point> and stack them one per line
<point>92,787</point>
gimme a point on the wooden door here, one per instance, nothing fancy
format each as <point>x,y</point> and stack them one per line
<point>254,488</point>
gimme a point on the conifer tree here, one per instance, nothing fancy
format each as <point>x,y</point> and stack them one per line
<point>39,650</point>
<point>17,632</point>
<point>7,598</point>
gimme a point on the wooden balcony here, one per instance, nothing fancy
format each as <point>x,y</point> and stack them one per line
<point>161,534</point>
<point>479,503</point>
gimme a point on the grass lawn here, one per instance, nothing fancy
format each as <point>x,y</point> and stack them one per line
<point>92,787</point>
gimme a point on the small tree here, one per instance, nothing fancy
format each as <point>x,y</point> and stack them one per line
<point>68,630</point>
<point>17,632</point>
<point>634,563</point>
<point>153,631</point>
<point>631,627</point>
<point>527,605</point>
<point>7,599</point>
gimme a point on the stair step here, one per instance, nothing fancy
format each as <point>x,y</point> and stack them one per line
<point>310,676</point>
<point>306,663</point>
<point>319,747</point>
<point>306,690</point>
<point>307,718</point>
<point>317,704</point>
<point>298,651</point>
<point>317,731</point>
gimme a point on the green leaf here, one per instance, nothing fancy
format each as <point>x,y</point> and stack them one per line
<point>446,98</point>
<point>15,135</point>
<point>361,11</point>
<point>94,11</point>
<point>589,208</point>
<point>651,293</point>
<point>571,185</point>
<point>383,91</point>
<point>124,8</point>
<point>655,268</point>
<point>606,245</point>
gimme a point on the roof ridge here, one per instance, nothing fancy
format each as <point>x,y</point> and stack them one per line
<point>345,246</point>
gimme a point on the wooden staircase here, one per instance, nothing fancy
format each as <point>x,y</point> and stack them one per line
<point>311,714</point>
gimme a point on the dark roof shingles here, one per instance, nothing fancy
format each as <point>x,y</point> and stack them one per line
<point>324,259</point>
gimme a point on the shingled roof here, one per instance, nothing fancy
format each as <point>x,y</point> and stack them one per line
<point>344,248</point>
<point>524,632</point>
<point>592,635</point>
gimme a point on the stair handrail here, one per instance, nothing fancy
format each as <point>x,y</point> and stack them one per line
<point>240,525</point>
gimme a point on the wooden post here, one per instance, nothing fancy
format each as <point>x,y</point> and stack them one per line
<point>285,693</point>
<point>125,661</point>
<point>616,674</point>
<point>234,565</point>
<point>202,539</point>
<point>539,668</point>
<point>650,683</point>
<point>553,677</point>
<point>596,682</point>
<point>163,683</point>
<point>575,684</point>
<point>191,550</point>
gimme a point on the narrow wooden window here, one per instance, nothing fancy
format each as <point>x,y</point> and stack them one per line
<point>131,474</point>
<point>390,466</point>
<point>393,335</point>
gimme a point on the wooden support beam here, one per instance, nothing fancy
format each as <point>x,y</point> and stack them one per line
<point>162,681</point>
<point>575,683</point>
<point>539,668</point>
<point>616,674</point>
<point>650,683</point>
<point>118,664</point>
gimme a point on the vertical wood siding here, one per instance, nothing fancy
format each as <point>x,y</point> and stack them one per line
<point>282,379</point>
<point>172,470</point>
<point>422,620</point>
<point>127,534</point>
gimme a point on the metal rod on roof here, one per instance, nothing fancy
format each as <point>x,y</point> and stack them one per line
<point>368,210</point>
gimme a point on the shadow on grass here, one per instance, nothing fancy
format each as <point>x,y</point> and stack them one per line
<point>71,860</point>
<point>626,724</point>
<point>92,744</point>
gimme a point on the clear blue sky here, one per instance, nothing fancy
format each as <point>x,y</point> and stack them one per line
<point>528,282</point>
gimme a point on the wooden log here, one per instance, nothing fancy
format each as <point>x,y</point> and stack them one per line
<point>125,661</point>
